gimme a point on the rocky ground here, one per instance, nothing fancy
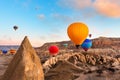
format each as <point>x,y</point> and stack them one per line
<point>75,66</point>
<point>4,61</point>
<point>81,66</point>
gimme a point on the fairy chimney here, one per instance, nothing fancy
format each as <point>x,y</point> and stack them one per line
<point>25,65</point>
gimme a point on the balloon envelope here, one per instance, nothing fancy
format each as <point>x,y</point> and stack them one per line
<point>65,45</point>
<point>77,32</point>
<point>0,51</point>
<point>15,27</point>
<point>12,51</point>
<point>4,51</point>
<point>53,50</point>
<point>86,44</point>
<point>90,35</point>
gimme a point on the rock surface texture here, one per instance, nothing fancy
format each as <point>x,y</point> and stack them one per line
<point>25,64</point>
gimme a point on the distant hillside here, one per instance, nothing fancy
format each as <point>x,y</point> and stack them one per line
<point>101,42</point>
<point>106,42</point>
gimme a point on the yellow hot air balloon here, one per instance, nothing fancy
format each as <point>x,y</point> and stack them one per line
<point>77,32</point>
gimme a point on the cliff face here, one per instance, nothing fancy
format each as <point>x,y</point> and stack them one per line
<point>101,42</point>
<point>101,45</point>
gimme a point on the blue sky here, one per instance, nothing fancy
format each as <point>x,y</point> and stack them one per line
<point>47,20</point>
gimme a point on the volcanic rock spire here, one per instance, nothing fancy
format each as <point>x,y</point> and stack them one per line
<point>25,65</point>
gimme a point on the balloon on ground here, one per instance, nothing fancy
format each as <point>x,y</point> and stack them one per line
<point>77,32</point>
<point>0,51</point>
<point>4,51</point>
<point>12,51</point>
<point>86,44</point>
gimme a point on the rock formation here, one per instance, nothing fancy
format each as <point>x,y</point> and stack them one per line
<point>25,65</point>
<point>63,70</point>
<point>101,42</point>
<point>80,66</point>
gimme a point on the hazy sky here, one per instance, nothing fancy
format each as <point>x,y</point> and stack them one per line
<point>47,20</point>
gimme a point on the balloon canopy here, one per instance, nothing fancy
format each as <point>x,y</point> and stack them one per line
<point>77,32</point>
<point>12,51</point>
<point>4,51</point>
<point>15,27</point>
<point>65,45</point>
<point>90,35</point>
<point>86,44</point>
<point>0,51</point>
<point>53,50</point>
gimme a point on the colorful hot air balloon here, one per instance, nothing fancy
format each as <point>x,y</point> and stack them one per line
<point>15,27</point>
<point>4,51</point>
<point>77,32</point>
<point>12,51</point>
<point>65,45</point>
<point>86,44</point>
<point>0,51</point>
<point>53,50</point>
<point>90,35</point>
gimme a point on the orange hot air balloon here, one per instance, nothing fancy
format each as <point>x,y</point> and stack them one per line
<point>12,51</point>
<point>77,32</point>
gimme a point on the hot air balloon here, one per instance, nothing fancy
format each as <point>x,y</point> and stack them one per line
<point>90,35</point>
<point>0,51</point>
<point>53,50</point>
<point>77,32</point>
<point>4,51</point>
<point>15,27</point>
<point>12,51</point>
<point>65,45</point>
<point>86,44</point>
